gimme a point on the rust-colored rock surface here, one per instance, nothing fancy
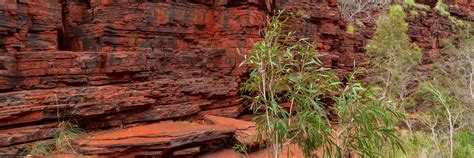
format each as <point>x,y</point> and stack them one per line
<point>119,63</point>
<point>159,139</point>
<point>29,25</point>
<point>246,132</point>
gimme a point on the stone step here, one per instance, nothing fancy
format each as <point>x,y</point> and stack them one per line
<point>246,132</point>
<point>162,139</point>
<point>166,139</point>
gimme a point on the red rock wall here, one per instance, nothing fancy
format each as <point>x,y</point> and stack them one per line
<point>110,63</point>
<point>29,25</point>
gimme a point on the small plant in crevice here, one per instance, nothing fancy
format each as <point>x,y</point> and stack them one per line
<point>43,148</point>
<point>242,149</point>
<point>64,134</point>
<point>350,29</point>
<point>442,8</point>
<point>61,142</point>
<point>413,4</point>
<point>66,131</point>
<point>414,9</point>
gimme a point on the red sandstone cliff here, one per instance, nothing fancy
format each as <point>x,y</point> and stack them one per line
<point>110,63</point>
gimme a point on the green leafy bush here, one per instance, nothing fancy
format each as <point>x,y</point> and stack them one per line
<point>287,70</point>
<point>392,58</point>
<point>464,144</point>
<point>366,121</point>
<point>441,96</point>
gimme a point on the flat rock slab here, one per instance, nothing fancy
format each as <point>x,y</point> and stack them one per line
<point>26,134</point>
<point>245,133</point>
<point>159,139</point>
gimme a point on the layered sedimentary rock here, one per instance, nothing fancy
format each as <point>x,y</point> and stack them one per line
<point>467,6</point>
<point>168,139</point>
<point>28,25</point>
<point>429,30</point>
<point>116,63</point>
<point>119,87</point>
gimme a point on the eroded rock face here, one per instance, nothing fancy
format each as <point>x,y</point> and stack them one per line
<point>159,139</point>
<point>27,25</point>
<point>113,63</point>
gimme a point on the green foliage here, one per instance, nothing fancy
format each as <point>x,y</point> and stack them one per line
<point>393,58</point>
<point>426,144</point>
<point>360,24</point>
<point>442,8</point>
<point>412,3</point>
<point>418,144</point>
<point>242,149</point>
<point>391,40</point>
<point>446,90</point>
<point>367,122</point>
<point>414,8</point>
<point>464,144</point>
<point>286,70</point>
<point>38,149</point>
<point>65,134</point>
<point>455,73</point>
<point>350,29</point>
<point>459,25</point>
<point>442,118</point>
<point>442,96</point>
<point>414,13</point>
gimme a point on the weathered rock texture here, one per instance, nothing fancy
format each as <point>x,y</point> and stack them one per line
<point>28,25</point>
<point>111,63</point>
<point>168,139</point>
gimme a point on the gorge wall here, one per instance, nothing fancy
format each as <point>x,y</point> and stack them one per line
<point>110,63</point>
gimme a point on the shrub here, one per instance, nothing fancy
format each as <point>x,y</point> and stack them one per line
<point>392,58</point>
<point>366,121</point>
<point>289,71</point>
<point>445,89</point>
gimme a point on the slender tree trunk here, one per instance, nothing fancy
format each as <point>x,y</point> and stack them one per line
<point>451,132</point>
